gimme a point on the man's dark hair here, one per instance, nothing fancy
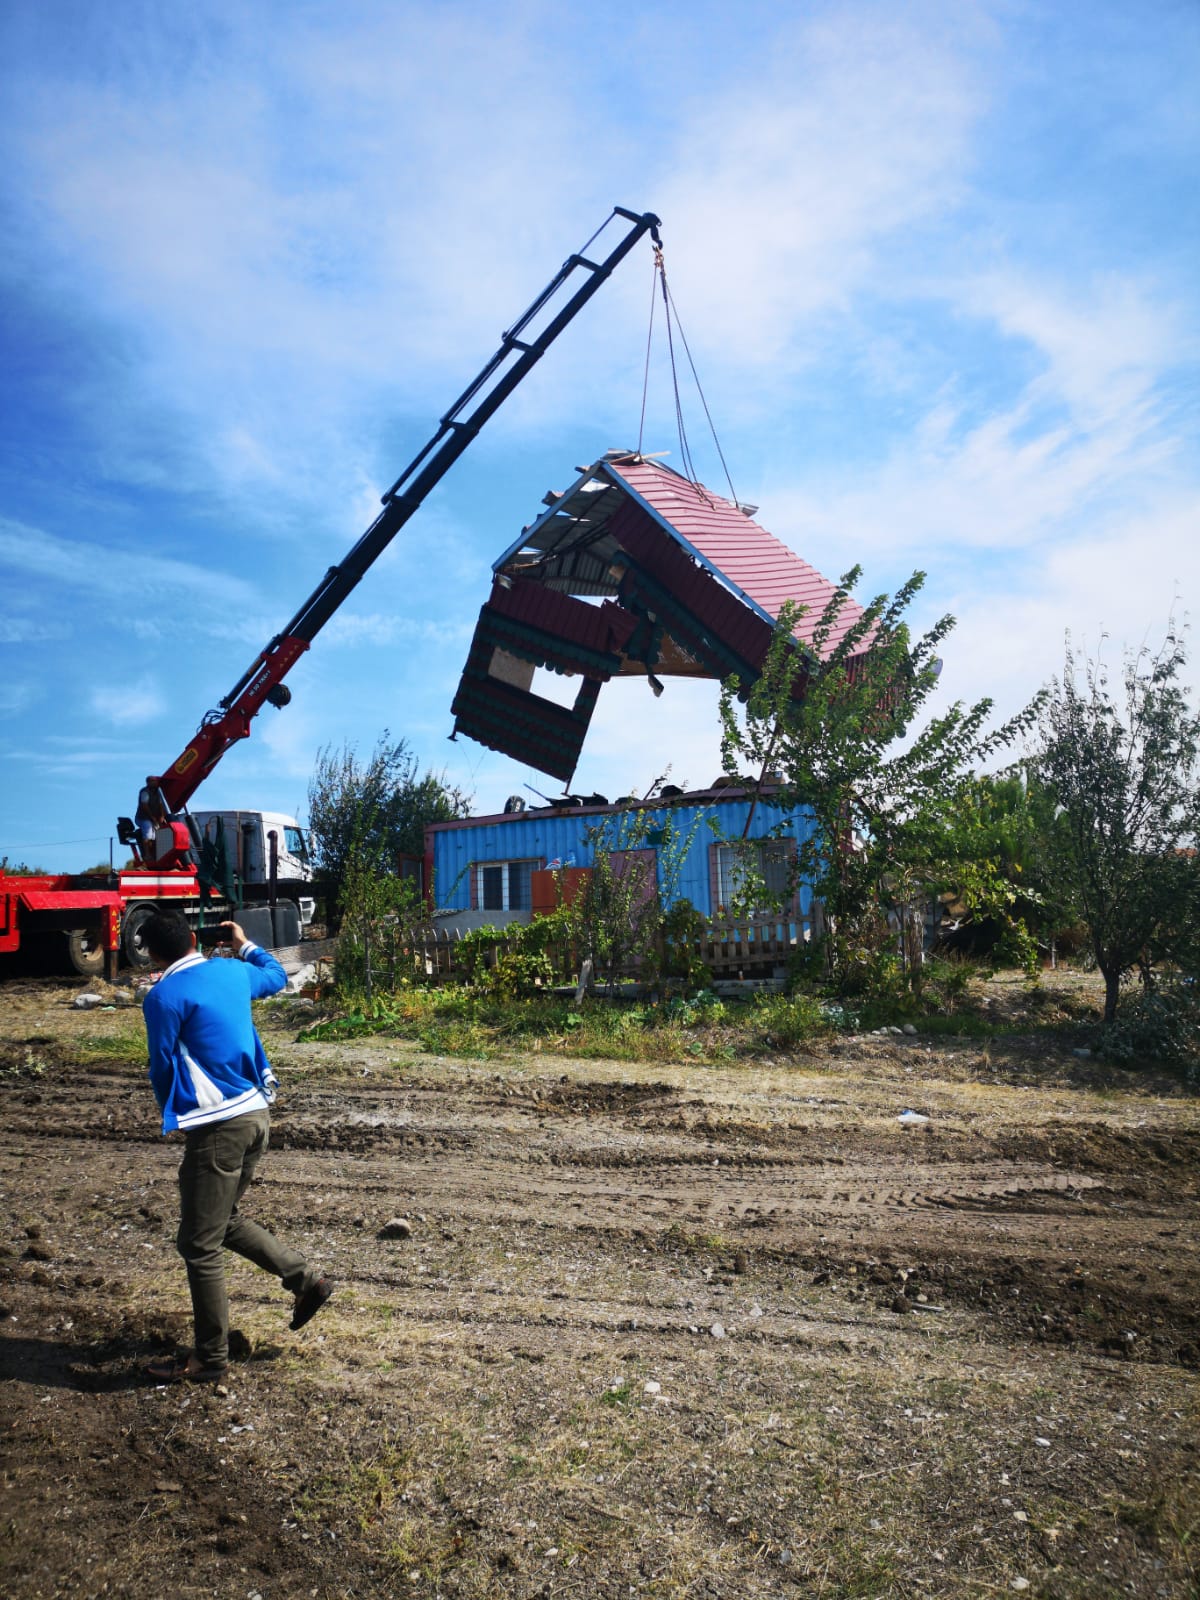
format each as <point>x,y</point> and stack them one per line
<point>167,936</point>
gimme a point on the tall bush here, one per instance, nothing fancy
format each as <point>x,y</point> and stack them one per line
<point>378,909</point>
<point>370,813</point>
<point>1122,760</point>
<point>839,719</point>
<point>617,918</point>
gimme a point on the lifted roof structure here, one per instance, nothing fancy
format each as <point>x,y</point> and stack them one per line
<point>634,570</point>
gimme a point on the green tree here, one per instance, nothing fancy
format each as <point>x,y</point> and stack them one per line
<point>836,714</point>
<point>377,910</point>
<point>370,813</point>
<point>1003,827</point>
<point>1122,762</point>
<point>637,863</point>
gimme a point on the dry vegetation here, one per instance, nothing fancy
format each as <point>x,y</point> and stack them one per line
<point>660,1329</point>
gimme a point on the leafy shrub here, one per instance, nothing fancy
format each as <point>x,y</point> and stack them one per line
<point>782,1021</point>
<point>945,983</point>
<point>683,928</point>
<point>377,910</point>
<point>701,1007</point>
<point>506,963</point>
<point>1157,1025</point>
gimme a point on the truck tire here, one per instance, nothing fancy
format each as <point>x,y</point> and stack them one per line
<point>85,951</point>
<point>132,943</point>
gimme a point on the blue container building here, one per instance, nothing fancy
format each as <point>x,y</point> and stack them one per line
<point>480,868</point>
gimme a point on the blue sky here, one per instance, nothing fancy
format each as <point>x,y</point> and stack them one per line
<point>936,262</point>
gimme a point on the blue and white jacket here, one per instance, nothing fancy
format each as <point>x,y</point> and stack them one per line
<point>206,1061</point>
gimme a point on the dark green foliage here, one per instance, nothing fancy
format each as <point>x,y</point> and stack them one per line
<point>508,963</point>
<point>373,812</point>
<point>1122,764</point>
<point>378,909</point>
<point>884,791</point>
<point>683,928</point>
<point>783,1022</point>
<point>1161,1024</point>
<point>1003,892</point>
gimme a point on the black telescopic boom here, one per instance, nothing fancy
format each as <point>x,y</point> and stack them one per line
<point>510,364</point>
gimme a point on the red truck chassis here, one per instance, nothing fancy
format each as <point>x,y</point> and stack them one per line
<point>100,918</point>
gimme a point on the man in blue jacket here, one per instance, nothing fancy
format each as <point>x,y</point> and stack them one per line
<point>212,1081</point>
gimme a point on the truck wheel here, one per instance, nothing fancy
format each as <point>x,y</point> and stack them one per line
<point>131,936</point>
<point>85,951</point>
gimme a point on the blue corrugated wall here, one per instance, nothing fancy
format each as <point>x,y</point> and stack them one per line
<point>562,837</point>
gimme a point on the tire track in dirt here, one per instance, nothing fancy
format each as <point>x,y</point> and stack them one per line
<point>607,1159</point>
<point>571,1239</point>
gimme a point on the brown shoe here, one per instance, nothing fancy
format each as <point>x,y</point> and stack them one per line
<point>189,1370</point>
<point>310,1302</point>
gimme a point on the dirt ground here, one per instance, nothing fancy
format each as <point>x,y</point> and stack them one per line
<point>662,1331</point>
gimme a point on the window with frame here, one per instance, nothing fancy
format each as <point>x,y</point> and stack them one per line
<point>295,844</point>
<point>771,861</point>
<point>504,885</point>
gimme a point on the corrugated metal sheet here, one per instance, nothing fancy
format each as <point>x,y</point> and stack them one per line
<point>600,630</point>
<point>723,619</point>
<point>753,562</point>
<point>546,836</point>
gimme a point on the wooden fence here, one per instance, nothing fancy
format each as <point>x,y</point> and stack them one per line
<point>751,948</point>
<point>757,946</point>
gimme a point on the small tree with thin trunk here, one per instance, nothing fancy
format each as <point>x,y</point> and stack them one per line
<point>838,716</point>
<point>364,815</point>
<point>1122,762</point>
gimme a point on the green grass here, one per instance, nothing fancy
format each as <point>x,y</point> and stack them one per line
<point>463,1021</point>
<point>123,1047</point>
<point>458,1021</point>
<point>969,1025</point>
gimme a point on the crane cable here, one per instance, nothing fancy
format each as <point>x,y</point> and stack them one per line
<point>671,315</point>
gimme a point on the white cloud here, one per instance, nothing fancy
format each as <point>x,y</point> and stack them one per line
<point>135,578</point>
<point>1071,506</point>
<point>1122,586</point>
<point>1104,342</point>
<point>380,628</point>
<point>130,707</point>
<point>290,242</point>
<point>790,187</point>
<point>1083,449</point>
<point>283,237</point>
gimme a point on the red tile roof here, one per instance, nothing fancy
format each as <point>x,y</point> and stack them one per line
<point>748,559</point>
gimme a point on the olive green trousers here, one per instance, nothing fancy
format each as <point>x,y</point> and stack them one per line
<point>218,1164</point>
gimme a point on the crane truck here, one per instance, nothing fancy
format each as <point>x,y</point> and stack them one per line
<point>206,863</point>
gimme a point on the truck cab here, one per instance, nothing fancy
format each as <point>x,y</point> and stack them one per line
<point>249,843</point>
